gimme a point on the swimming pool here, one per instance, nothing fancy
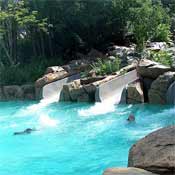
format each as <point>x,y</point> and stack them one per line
<point>73,138</point>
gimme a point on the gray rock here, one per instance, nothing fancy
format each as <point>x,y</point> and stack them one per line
<point>155,152</point>
<point>50,77</point>
<point>159,88</point>
<point>152,71</point>
<point>146,87</point>
<point>156,46</point>
<point>13,92</point>
<point>126,171</point>
<point>135,93</point>
<point>89,80</point>
<point>28,92</point>
<point>54,69</point>
<point>171,94</point>
<point>1,93</point>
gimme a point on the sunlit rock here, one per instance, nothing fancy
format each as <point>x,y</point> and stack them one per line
<point>155,152</point>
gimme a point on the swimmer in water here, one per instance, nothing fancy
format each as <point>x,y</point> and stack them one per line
<point>131,118</point>
<point>26,131</point>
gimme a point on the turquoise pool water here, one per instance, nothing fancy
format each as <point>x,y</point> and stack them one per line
<point>73,139</point>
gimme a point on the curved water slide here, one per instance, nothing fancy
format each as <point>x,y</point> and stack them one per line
<point>54,89</point>
<point>116,88</point>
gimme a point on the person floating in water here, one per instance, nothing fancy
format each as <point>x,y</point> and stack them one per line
<point>26,131</point>
<point>131,118</point>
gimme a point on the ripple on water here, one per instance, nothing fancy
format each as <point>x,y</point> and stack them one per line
<point>73,138</point>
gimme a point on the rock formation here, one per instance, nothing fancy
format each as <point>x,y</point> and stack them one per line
<point>159,87</point>
<point>135,93</point>
<point>155,152</point>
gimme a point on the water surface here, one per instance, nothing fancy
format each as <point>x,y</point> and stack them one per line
<point>73,139</point>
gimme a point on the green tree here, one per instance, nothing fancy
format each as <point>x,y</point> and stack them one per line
<point>16,23</point>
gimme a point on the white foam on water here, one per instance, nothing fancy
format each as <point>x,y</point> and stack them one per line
<point>43,103</point>
<point>100,108</point>
<point>45,120</point>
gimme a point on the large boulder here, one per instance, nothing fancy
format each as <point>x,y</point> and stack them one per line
<point>152,71</point>
<point>126,171</point>
<point>135,93</point>
<point>155,152</point>
<point>76,92</point>
<point>50,77</point>
<point>72,92</point>
<point>159,87</point>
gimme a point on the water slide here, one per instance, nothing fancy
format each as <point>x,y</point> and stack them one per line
<point>53,89</point>
<point>115,88</point>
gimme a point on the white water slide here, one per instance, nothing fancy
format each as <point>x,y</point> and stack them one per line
<point>112,89</point>
<point>54,89</point>
<point>116,88</point>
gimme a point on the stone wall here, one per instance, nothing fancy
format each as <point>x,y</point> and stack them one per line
<point>16,92</point>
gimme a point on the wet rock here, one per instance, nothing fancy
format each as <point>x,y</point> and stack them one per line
<point>159,88</point>
<point>155,152</point>
<point>135,93</point>
<point>84,97</point>
<point>126,171</point>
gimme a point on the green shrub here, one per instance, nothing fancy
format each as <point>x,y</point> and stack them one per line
<point>26,73</point>
<point>105,67</point>
<point>162,57</point>
<point>162,33</point>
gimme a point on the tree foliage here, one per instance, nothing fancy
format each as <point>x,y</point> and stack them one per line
<point>54,29</point>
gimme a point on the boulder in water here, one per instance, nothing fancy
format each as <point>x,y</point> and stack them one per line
<point>155,152</point>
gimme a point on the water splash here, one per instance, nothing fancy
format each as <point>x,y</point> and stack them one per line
<point>100,108</point>
<point>43,103</point>
<point>45,120</point>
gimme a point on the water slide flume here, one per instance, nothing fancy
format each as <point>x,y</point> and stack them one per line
<point>115,88</point>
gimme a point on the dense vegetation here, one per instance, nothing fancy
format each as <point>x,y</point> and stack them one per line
<point>37,33</point>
